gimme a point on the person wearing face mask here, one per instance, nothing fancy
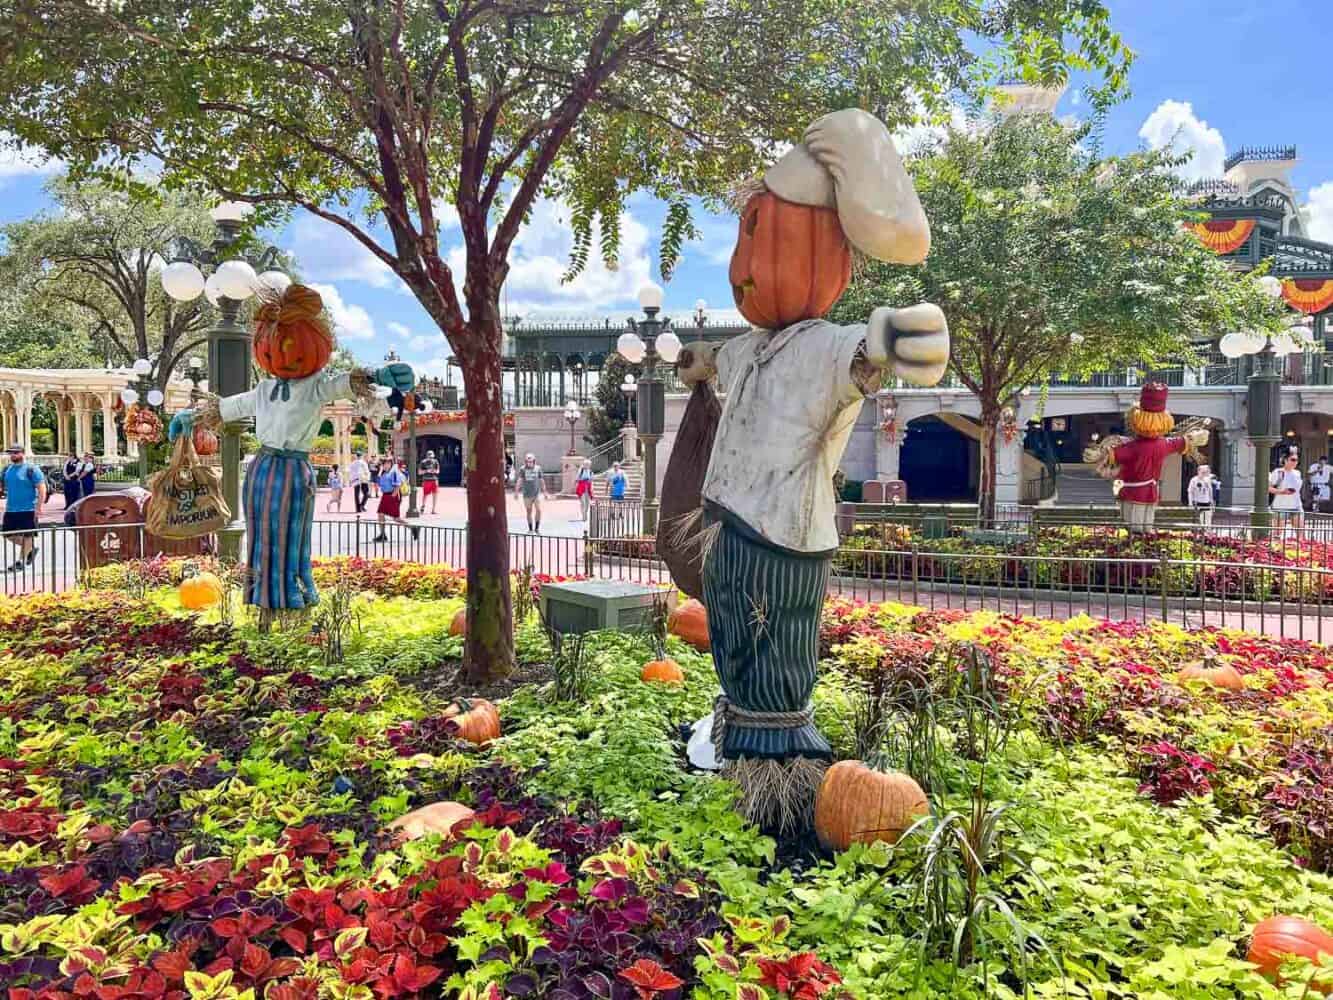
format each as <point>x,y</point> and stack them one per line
<point>25,495</point>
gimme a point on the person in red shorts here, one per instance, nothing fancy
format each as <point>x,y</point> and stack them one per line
<point>428,472</point>
<point>1138,460</point>
<point>391,483</point>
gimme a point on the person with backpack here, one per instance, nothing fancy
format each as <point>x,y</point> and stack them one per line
<point>1284,486</point>
<point>25,496</point>
<point>392,480</point>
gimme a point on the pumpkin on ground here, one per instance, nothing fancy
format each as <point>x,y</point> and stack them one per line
<point>200,591</point>
<point>689,621</point>
<point>858,805</point>
<point>459,625</point>
<point>1278,938</point>
<point>476,719</point>
<point>664,671</point>
<point>791,262</point>
<point>438,817</point>
<point>1213,673</point>
<point>205,441</point>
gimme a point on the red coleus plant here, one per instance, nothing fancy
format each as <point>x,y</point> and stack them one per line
<point>800,977</point>
<point>649,979</point>
<point>1171,773</point>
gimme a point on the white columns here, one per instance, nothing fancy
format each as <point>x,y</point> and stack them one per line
<point>110,442</point>
<point>83,430</point>
<point>887,455</point>
<point>62,426</point>
<point>23,418</point>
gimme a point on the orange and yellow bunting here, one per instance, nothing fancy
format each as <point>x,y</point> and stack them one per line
<point>1222,235</point>
<point>1309,295</point>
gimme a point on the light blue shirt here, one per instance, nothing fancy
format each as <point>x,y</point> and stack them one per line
<point>21,482</point>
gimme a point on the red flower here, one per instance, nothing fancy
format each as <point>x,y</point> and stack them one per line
<point>649,979</point>
<point>801,977</point>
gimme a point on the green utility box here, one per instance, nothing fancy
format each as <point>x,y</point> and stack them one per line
<point>589,605</point>
<point>934,526</point>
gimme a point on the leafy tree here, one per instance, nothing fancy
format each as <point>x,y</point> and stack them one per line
<point>611,410</point>
<point>93,262</point>
<point>1048,260</point>
<point>383,118</point>
<point>31,339</point>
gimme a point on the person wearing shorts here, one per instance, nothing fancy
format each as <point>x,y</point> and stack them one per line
<point>390,482</point>
<point>335,490</point>
<point>531,488</point>
<point>25,495</point>
<point>429,474</point>
<point>1284,486</point>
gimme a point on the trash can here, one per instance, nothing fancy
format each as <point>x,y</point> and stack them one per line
<point>110,529</point>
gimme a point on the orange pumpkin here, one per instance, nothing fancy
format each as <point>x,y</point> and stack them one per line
<point>856,805</point>
<point>1277,938</point>
<point>1214,674</point>
<point>205,441</point>
<point>459,625</point>
<point>200,591</point>
<point>295,349</point>
<point>443,818</point>
<point>664,671</point>
<point>791,262</point>
<point>689,621</point>
<point>476,719</point>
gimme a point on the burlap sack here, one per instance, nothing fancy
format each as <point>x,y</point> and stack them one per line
<point>680,528</point>
<point>186,497</point>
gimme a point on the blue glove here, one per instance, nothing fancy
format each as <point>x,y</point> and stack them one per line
<point>396,376</point>
<point>181,423</point>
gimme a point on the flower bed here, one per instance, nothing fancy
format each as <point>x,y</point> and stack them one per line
<point>189,809</point>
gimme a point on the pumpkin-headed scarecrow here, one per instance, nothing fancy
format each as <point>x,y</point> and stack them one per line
<point>293,341</point>
<point>1138,460</point>
<point>764,530</point>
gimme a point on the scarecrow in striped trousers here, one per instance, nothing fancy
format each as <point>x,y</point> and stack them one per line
<point>765,531</point>
<point>293,341</point>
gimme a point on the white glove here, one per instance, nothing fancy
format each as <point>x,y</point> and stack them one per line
<point>1197,437</point>
<point>914,341</point>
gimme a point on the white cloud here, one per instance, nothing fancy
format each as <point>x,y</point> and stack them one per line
<point>1174,125</point>
<point>399,330</point>
<point>1319,212</point>
<point>326,252</point>
<point>350,322</point>
<point>426,342</point>
<point>20,160</point>
<point>717,238</point>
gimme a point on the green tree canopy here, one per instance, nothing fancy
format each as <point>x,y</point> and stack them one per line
<point>1049,260</point>
<point>386,118</point>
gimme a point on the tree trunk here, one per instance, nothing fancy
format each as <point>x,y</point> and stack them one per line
<point>987,481</point>
<point>489,649</point>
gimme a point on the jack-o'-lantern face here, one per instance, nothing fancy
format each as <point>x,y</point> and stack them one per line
<point>791,262</point>
<point>292,350</point>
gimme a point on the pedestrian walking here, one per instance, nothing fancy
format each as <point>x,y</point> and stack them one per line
<point>25,496</point>
<point>1202,498</point>
<point>335,491</point>
<point>583,488</point>
<point>1320,475</point>
<point>1284,486</point>
<point>428,473</point>
<point>358,473</point>
<point>391,483</point>
<point>531,487</point>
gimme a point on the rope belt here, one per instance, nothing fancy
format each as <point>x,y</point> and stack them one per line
<point>726,714</point>
<point>1146,482</point>
<point>285,453</point>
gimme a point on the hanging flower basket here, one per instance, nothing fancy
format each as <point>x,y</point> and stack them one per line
<point>142,425</point>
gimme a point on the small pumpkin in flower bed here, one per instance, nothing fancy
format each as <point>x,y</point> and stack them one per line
<point>856,804</point>
<point>459,625</point>
<point>689,621</point>
<point>664,671</point>
<point>476,720</point>
<point>200,591</point>
<point>1213,673</point>
<point>1278,938</point>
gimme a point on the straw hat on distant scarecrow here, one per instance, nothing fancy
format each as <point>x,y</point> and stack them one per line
<point>1137,462</point>
<point>748,510</point>
<point>293,342</point>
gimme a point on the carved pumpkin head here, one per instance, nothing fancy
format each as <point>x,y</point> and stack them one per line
<point>791,261</point>
<point>292,336</point>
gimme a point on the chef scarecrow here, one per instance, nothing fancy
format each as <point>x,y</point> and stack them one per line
<point>764,530</point>
<point>1138,461</point>
<point>292,343</point>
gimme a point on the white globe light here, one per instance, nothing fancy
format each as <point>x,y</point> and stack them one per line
<point>1271,286</point>
<point>232,211</point>
<point>236,279</point>
<point>630,347</point>
<point>1232,346</point>
<point>650,296</point>
<point>129,397</point>
<point>143,366</point>
<point>1252,341</point>
<point>630,384</point>
<point>155,397</point>
<point>668,346</point>
<point>1283,345</point>
<point>212,290</point>
<point>276,280</point>
<point>182,281</point>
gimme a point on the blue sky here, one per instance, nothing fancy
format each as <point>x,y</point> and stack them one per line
<point>1213,74</point>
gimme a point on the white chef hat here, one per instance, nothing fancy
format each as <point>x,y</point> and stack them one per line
<point>847,161</point>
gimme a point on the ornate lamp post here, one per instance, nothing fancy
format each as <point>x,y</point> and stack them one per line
<point>143,391</point>
<point>700,315</point>
<point>630,387</point>
<point>195,373</point>
<point>231,282</point>
<point>1263,419</point>
<point>572,415</point>
<point>649,340</point>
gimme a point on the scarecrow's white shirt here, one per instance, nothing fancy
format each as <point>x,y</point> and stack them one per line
<point>291,424</point>
<point>790,406</point>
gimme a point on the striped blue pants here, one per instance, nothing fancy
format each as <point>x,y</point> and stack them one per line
<point>763,623</point>
<point>279,514</point>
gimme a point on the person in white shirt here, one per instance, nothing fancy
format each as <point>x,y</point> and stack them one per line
<point>1201,489</point>
<point>358,474</point>
<point>1320,475</point>
<point>1284,486</point>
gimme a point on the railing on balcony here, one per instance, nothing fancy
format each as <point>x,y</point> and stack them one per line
<point>1261,153</point>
